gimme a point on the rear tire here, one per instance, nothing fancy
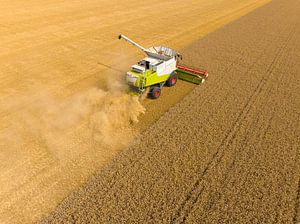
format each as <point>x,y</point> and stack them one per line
<point>155,93</point>
<point>172,80</point>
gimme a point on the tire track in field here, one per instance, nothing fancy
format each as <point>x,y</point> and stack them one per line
<point>194,194</point>
<point>297,205</point>
<point>296,217</point>
<point>244,141</point>
<point>264,128</point>
<point>212,198</point>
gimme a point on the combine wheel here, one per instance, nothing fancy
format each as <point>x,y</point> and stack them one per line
<point>172,80</point>
<point>155,93</point>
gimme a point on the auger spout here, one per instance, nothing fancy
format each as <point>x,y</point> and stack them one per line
<point>132,42</point>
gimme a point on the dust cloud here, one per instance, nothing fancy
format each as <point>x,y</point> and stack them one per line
<point>51,145</point>
<point>103,116</point>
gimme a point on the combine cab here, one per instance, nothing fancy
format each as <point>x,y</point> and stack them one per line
<point>159,68</point>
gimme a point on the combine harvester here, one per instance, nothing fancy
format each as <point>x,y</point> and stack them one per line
<point>159,68</point>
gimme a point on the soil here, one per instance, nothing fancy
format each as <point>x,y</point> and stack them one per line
<point>228,152</point>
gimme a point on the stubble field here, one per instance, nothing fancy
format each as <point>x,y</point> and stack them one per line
<point>228,152</point>
<point>63,111</point>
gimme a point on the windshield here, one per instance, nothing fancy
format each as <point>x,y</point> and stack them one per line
<point>142,63</point>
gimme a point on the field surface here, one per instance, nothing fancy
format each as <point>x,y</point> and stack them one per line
<point>228,152</point>
<point>63,110</point>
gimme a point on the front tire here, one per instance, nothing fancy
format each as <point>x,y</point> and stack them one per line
<point>155,93</point>
<point>172,80</point>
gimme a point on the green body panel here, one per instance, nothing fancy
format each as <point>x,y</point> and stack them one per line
<point>149,78</point>
<point>189,77</point>
<point>152,78</point>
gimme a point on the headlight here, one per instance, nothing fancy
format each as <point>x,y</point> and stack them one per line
<point>131,78</point>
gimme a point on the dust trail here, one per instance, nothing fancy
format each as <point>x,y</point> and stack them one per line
<point>105,115</point>
<point>51,145</point>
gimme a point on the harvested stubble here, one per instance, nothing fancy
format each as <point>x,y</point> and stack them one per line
<point>228,152</point>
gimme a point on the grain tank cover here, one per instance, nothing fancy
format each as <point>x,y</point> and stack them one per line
<point>161,52</point>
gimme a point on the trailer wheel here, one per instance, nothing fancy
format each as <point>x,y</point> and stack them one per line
<point>155,93</point>
<point>172,80</point>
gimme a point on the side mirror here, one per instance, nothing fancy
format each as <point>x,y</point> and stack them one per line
<point>179,56</point>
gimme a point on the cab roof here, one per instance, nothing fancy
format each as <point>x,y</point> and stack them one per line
<point>153,61</point>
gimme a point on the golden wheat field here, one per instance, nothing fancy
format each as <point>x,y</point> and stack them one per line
<point>75,148</point>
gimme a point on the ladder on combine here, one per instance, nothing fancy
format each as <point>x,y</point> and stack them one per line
<point>190,74</point>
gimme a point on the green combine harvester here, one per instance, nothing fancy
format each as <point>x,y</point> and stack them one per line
<point>159,68</point>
